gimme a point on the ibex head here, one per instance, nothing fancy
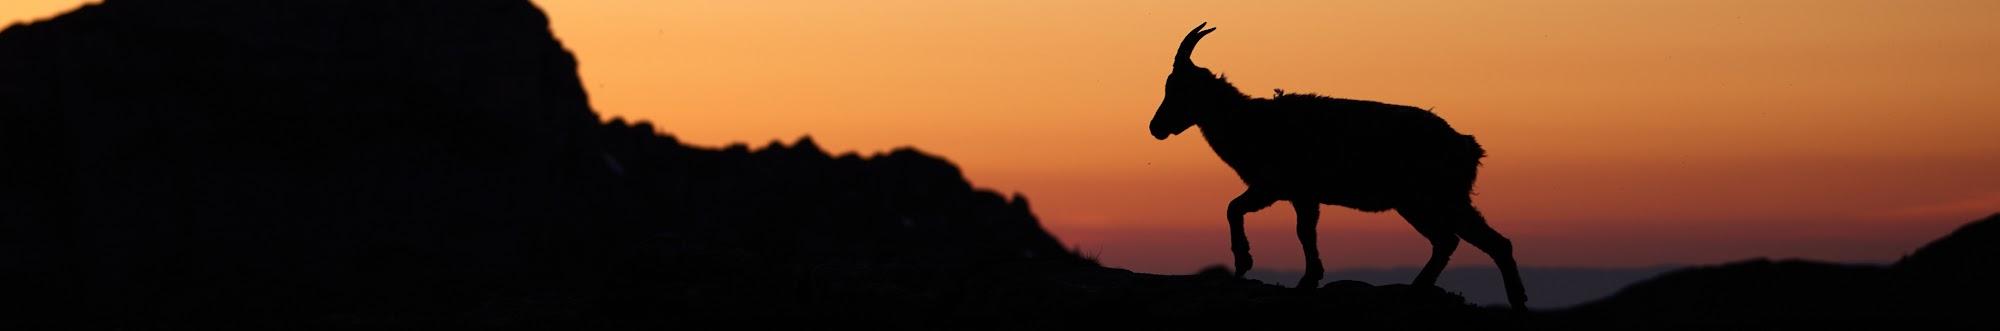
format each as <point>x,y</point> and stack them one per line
<point>1189,88</point>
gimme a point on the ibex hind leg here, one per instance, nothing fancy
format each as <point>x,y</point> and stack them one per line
<point>1481,235</point>
<point>1437,226</point>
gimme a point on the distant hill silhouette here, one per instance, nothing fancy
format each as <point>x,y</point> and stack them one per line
<point>435,164</point>
<point>1964,264</point>
<point>1947,283</point>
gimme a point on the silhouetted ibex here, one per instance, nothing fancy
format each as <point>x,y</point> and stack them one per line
<point>1311,150</point>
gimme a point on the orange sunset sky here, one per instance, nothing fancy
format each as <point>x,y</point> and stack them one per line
<point>1624,133</point>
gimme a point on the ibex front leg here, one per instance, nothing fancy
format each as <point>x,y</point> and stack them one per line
<point>1308,212</point>
<point>1249,202</point>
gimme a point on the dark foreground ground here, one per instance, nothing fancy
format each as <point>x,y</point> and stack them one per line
<point>382,164</point>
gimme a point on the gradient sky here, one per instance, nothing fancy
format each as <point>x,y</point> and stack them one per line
<point>1625,133</point>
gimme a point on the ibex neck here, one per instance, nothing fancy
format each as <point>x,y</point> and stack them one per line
<point>1221,114</point>
<point>1230,131</point>
<point>1221,105</point>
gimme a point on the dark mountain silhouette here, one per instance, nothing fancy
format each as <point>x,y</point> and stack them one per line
<point>1947,283</point>
<point>1961,267</point>
<point>435,164</point>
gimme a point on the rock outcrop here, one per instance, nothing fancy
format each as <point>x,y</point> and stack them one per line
<point>414,163</point>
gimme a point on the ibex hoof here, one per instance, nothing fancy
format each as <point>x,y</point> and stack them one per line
<point>1312,277</point>
<point>1308,283</point>
<point>1243,263</point>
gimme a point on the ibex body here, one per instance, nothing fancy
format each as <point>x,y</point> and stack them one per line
<point>1312,150</point>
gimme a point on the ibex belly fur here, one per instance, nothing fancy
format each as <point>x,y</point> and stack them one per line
<point>1311,150</point>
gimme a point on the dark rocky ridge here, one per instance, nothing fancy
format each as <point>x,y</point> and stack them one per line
<point>197,159</point>
<point>376,163</point>
<point>1947,284</point>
